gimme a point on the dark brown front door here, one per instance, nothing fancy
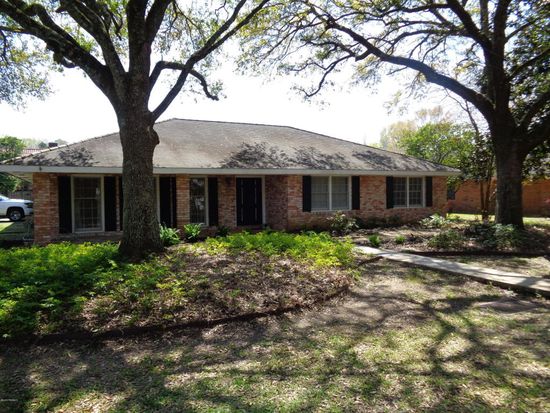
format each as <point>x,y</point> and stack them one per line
<point>249,201</point>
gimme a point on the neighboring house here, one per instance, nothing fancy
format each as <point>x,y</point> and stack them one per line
<point>536,198</point>
<point>233,175</point>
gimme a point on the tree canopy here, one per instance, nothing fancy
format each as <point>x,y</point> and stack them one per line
<point>493,54</point>
<point>126,47</point>
<point>10,147</point>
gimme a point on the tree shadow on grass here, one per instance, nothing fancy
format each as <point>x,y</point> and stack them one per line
<point>394,345</point>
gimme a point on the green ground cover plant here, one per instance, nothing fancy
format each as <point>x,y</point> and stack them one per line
<point>72,287</point>
<point>319,249</point>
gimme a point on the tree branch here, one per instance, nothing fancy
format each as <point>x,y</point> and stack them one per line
<point>431,75</point>
<point>224,32</point>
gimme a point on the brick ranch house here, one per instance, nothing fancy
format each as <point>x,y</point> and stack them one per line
<point>229,174</point>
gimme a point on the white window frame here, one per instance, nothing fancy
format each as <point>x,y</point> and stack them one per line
<point>206,201</point>
<point>423,192</point>
<point>101,200</point>
<point>348,208</point>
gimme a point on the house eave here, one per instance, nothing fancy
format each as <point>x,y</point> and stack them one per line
<point>219,171</point>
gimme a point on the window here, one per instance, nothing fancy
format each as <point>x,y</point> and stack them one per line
<point>319,193</point>
<point>400,192</point>
<point>330,193</point>
<point>415,192</point>
<point>197,200</point>
<point>87,204</point>
<point>408,192</point>
<point>340,192</point>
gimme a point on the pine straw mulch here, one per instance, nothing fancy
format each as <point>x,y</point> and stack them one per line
<point>200,287</point>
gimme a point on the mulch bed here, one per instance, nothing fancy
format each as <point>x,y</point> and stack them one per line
<point>203,290</point>
<point>536,241</point>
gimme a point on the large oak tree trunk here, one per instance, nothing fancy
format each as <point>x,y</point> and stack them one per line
<point>509,206</point>
<point>141,227</point>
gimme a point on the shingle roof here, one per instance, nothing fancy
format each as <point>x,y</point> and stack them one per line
<point>197,144</point>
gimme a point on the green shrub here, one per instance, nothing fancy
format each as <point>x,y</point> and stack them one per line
<point>341,224</point>
<point>400,239</point>
<point>374,240</point>
<point>449,239</point>
<point>192,232</point>
<point>169,236</point>
<point>40,285</point>
<point>493,236</point>
<point>434,221</point>
<point>317,248</point>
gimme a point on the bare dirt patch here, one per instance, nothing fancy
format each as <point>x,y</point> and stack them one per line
<point>203,286</point>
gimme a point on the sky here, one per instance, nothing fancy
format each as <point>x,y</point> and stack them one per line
<point>77,110</point>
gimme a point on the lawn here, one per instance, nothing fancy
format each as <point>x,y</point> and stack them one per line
<point>531,221</point>
<point>533,266</point>
<point>404,340</point>
<point>13,230</point>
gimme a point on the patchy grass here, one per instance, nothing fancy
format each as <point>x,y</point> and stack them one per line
<point>534,266</point>
<point>85,287</point>
<point>531,221</point>
<point>406,340</point>
<point>13,230</point>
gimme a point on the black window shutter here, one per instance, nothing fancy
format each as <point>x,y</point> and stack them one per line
<point>429,191</point>
<point>213,201</point>
<point>389,192</point>
<point>306,193</point>
<point>355,193</point>
<point>165,201</point>
<point>64,204</point>
<point>109,202</point>
<point>120,202</point>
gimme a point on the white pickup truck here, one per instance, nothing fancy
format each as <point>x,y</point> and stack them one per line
<point>15,209</point>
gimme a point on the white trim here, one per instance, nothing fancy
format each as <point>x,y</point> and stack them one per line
<point>422,190</point>
<point>220,171</point>
<point>101,201</point>
<point>206,210</point>
<point>330,209</point>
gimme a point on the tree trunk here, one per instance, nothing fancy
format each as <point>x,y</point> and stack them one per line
<point>141,234</point>
<point>509,205</point>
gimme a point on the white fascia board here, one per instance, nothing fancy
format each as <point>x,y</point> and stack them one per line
<point>219,171</point>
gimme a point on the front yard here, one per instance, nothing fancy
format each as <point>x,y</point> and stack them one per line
<point>390,337</point>
<point>459,232</point>
<point>85,288</point>
<point>404,340</point>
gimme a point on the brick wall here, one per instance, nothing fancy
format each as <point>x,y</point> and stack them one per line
<point>536,198</point>
<point>227,201</point>
<point>276,201</point>
<point>373,203</point>
<point>283,199</point>
<point>46,216</point>
<point>182,201</point>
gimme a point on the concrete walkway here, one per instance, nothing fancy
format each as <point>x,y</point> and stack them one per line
<point>505,279</point>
